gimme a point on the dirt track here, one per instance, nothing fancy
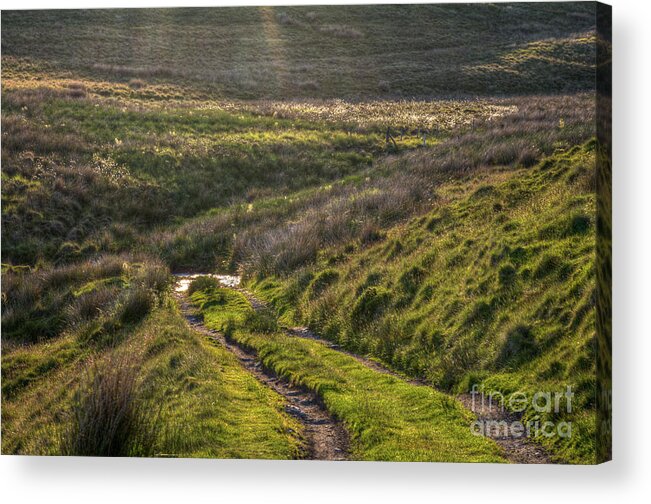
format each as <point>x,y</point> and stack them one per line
<point>327,441</point>
<point>325,438</point>
<point>518,450</point>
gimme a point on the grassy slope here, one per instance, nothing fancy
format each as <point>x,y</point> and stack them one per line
<point>342,52</point>
<point>114,123</point>
<point>495,285</point>
<point>198,399</point>
<point>93,165</point>
<point>124,99</point>
<point>133,164</point>
<point>388,418</point>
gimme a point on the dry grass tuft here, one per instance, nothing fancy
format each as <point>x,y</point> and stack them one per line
<point>107,419</point>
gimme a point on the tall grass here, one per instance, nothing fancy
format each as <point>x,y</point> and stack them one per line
<point>406,185</point>
<point>107,418</point>
<point>343,217</point>
<point>42,303</point>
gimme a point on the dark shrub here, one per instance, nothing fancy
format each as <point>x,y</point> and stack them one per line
<point>91,304</point>
<point>518,255</point>
<point>529,156</point>
<point>156,278</point>
<point>29,313</point>
<point>579,224</point>
<point>136,306</point>
<point>456,361</point>
<point>107,420</point>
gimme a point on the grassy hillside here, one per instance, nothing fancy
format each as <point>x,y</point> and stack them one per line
<point>91,166</point>
<point>423,196</point>
<point>100,153</point>
<point>342,52</point>
<point>115,371</point>
<point>494,285</point>
<point>388,418</point>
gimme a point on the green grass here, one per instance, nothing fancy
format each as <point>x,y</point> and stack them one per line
<point>253,139</point>
<point>144,165</point>
<point>388,418</point>
<point>200,400</point>
<point>191,393</point>
<point>91,168</point>
<point>496,285</point>
<point>225,305</point>
<point>213,406</point>
<point>93,165</point>
<point>321,52</point>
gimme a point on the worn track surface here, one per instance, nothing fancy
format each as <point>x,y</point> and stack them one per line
<point>515,449</point>
<point>519,450</point>
<point>325,437</point>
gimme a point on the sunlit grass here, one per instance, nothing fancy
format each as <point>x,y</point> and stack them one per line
<point>202,403</point>
<point>453,295</point>
<point>389,419</point>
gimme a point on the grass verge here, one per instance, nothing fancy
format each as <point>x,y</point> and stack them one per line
<point>388,418</point>
<point>154,387</point>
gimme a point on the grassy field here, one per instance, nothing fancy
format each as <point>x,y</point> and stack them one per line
<point>118,379</point>
<point>347,52</point>
<point>425,197</point>
<point>496,285</point>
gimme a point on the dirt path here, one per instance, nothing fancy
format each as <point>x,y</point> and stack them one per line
<point>518,450</point>
<point>325,437</point>
<point>304,332</point>
<point>515,449</point>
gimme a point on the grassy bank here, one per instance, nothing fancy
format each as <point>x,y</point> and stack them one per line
<point>388,418</point>
<point>126,381</point>
<point>495,286</point>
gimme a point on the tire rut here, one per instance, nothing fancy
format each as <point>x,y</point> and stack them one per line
<point>325,437</point>
<point>517,450</point>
